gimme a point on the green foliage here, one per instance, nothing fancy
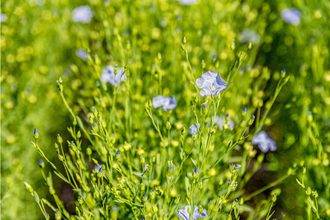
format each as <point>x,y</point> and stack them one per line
<point>117,157</point>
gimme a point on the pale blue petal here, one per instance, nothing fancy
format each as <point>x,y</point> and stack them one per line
<point>291,16</point>
<point>82,14</point>
<point>158,101</point>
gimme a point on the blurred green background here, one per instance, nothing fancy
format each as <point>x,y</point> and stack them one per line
<point>39,41</point>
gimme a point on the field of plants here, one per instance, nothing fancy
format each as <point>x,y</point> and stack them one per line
<point>165,109</point>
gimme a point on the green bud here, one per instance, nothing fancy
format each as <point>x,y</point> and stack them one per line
<point>291,171</point>
<point>274,198</point>
<point>58,215</point>
<point>99,175</point>
<point>59,84</point>
<point>203,64</point>
<point>233,45</point>
<point>89,151</point>
<point>28,187</point>
<point>59,139</point>
<point>35,134</point>
<point>74,122</point>
<point>168,125</point>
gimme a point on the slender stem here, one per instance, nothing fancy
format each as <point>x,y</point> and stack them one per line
<point>156,126</point>
<point>266,187</point>
<point>67,105</point>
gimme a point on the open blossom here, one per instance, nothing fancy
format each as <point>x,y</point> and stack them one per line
<point>194,128</point>
<point>167,103</point>
<point>291,16</point>
<point>184,213</point>
<point>249,36</point>
<point>109,75</point>
<point>210,83</point>
<point>264,142</point>
<point>82,14</point>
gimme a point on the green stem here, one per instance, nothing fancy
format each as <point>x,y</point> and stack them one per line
<point>266,187</point>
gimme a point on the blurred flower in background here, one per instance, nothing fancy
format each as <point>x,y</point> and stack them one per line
<point>221,122</point>
<point>249,36</point>
<point>194,128</point>
<point>264,142</point>
<point>3,17</point>
<point>187,2</point>
<point>81,53</point>
<point>168,103</point>
<point>291,16</point>
<point>109,75</point>
<point>82,14</point>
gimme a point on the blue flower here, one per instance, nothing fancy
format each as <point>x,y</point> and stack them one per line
<point>249,36</point>
<point>82,54</point>
<point>168,103</point>
<point>109,76</point>
<point>196,170</point>
<point>210,83</point>
<point>184,213</point>
<point>194,128</point>
<point>82,14</point>
<point>291,16</point>
<point>264,142</point>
